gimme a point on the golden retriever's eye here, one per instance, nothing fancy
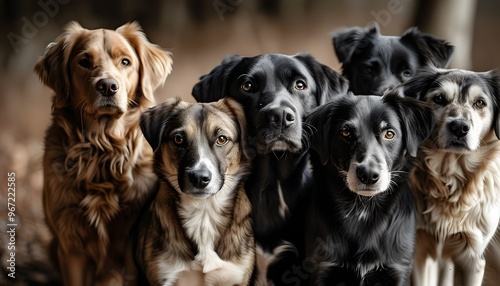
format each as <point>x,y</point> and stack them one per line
<point>438,98</point>
<point>300,85</point>
<point>125,62</point>
<point>389,135</point>
<point>346,133</point>
<point>479,103</point>
<point>178,139</point>
<point>84,63</point>
<point>407,73</point>
<point>247,86</point>
<point>221,140</point>
<point>367,70</point>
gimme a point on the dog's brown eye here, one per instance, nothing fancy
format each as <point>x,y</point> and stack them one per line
<point>84,63</point>
<point>125,62</point>
<point>300,85</point>
<point>247,86</point>
<point>479,103</point>
<point>389,135</point>
<point>438,98</point>
<point>407,73</point>
<point>221,140</point>
<point>344,132</point>
<point>178,139</point>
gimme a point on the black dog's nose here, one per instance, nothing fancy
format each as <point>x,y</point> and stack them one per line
<point>459,128</point>
<point>367,175</point>
<point>107,86</point>
<point>281,117</point>
<point>200,178</point>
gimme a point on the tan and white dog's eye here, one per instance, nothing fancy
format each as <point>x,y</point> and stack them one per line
<point>178,139</point>
<point>125,62</point>
<point>479,103</point>
<point>84,63</point>
<point>300,85</point>
<point>389,135</point>
<point>221,140</point>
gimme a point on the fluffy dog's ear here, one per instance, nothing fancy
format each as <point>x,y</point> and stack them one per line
<point>347,41</point>
<point>419,85</point>
<point>430,49</point>
<point>493,79</point>
<point>329,82</point>
<point>236,110</point>
<point>417,116</point>
<point>213,86</point>
<point>155,63</point>
<point>53,67</point>
<point>155,119</point>
<point>319,123</point>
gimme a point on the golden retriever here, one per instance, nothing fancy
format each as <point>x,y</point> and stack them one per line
<point>97,165</point>
<point>456,178</point>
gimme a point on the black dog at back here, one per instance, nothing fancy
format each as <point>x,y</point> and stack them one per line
<point>276,91</point>
<point>374,63</point>
<point>361,222</point>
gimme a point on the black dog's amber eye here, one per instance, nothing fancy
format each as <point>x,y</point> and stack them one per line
<point>84,63</point>
<point>300,85</point>
<point>344,132</point>
<point>221,140</point>
<point>247,86</point>
<point>178,139</point>
<point>389,135</point>
<point>407,73</point>
<point>125,62</point>
<point>479,103</point>
<point>438,98</point>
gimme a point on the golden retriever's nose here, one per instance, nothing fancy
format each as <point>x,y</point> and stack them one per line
<point>107,86</point>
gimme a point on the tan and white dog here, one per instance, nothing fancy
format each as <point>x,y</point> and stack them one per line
<point>456,178</point>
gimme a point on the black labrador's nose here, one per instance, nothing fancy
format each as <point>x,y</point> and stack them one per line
<point>200,178</point>
<point>281,118</point>
<point>460,128</point>
<point>107,86</point>
<point>367,176</point>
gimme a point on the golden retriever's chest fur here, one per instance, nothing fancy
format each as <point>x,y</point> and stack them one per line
<point>459,195</point>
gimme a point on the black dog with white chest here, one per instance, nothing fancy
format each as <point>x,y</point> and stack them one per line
<point>361,222</point>
<point>276,91</point>
<point>374,63</point>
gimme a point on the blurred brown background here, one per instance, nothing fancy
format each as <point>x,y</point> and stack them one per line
<point>199,34</point>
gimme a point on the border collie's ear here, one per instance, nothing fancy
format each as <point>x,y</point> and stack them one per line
<point>319,123</point>
<point>417,116</point>
<point>492,77</point>
<point>420,84</point>
<point>347,41</point>
<point>154,120</point>
<point>430,49</point>
<point>329,82</point>
<point>213,86</point>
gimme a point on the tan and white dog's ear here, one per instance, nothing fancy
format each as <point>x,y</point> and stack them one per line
<point>155,63</point>
<point>53,67</point>
<point>238,113</point>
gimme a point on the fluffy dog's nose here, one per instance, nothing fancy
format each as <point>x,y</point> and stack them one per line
<point>367,175</point>
<point>281,117</point>
<point>200,178</point>
<point>459,128</point>
<point>107,86</point>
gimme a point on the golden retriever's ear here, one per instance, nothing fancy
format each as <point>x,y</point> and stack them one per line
<point>155,65</point>
<point>53,67</point>
<point>237,112</point>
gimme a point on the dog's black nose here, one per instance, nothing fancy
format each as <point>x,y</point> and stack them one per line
<point>200,178</point>
<point>281,117</point>
<point>459,128</point>
<point>107,86</point>
<point>367,176</point>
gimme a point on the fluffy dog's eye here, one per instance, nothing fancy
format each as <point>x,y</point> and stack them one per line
<point>407,73</point>
<point>344,132</point>
<point>438,98</point>
<point>300,85</point>
<point>125,62</point>
<point>479,103</point>
<point>247,86</point>
<point>389,135</point>
<point>84,63</point>
<point>367,70</point>
<point>221,140</point>
<point>178,139</point>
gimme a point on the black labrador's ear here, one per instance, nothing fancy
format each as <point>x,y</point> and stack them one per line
<point>417,116</point>
<point>329,83</point>
<point>347,41</point>
<point>319,122</point>
<point>430,49</point>
<point>493,81</point>
<point>213,86</point>
<point>155,119</point>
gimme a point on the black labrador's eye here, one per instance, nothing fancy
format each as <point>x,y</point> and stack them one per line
<point>125,62</point>
<point>84,63</point>
<point>438,98</point>
<point>247,86</point>
<point>406,73</point>
<point>300,85</point>
<point>221,140</point>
